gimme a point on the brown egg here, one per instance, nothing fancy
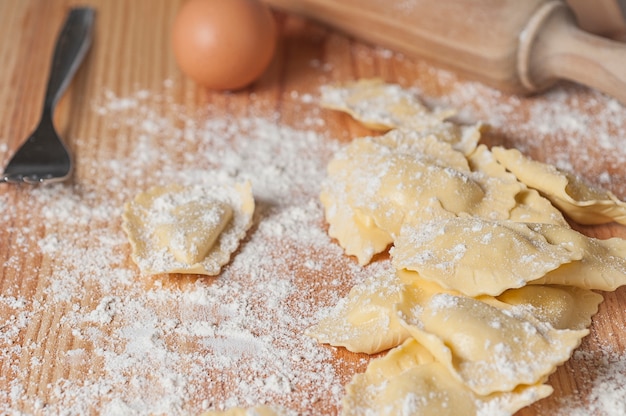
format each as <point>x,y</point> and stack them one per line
<point>224,44</point>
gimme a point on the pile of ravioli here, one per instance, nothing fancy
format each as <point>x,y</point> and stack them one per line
<point>488,290</point>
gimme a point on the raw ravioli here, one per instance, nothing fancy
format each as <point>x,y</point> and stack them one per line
<point>409,381</point>
<point>581,202</point>
<point>563,307</point>
<point>364,321</point>
<point>487,348</point>
<point>529,205</point>
<point>381,106</point>
<point>602,266</point>
<point>491,290</point>
<point>376,184</point>
<point>479,257</point>
<point>193,230</point>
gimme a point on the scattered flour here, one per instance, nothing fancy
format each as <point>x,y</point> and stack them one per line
<point>178,345</point>
<point>175,345</point>
<point>607,385</point>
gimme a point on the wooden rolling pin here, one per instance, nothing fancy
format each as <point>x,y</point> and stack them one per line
<point>517,46</point>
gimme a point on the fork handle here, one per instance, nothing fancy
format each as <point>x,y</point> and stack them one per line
<point>72,45</point>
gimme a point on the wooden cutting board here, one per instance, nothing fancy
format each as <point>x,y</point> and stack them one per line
<point>68,343</point>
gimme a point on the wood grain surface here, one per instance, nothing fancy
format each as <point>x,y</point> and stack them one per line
<point>131,52</point>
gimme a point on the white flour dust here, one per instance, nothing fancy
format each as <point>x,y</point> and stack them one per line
<point>176,345</point>
<point>607,379</point>
<point>179,345</point>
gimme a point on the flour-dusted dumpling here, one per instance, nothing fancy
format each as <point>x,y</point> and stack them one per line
<point>190,229</point>
<point>532,207</point>
<point>423,145</point>
<point>487,348</point>
<point>463,139</point>
<point>478,257</point>
<point>563,307</point>
<point>581,202</point>
<point>529,205</point>
<point>408,381</point>
<point>602,266</point>
<point>374,185</point>
<point>193,229</point>
<point>381,106</point>
<point>356,232</point>
<point>492,286</point>
<point>365,321</point>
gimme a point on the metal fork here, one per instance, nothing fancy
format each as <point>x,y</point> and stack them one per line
<point>44,157</point>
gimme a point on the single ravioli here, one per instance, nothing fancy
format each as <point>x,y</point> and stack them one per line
<point>602,266</point>
<point>365,321</point>
<point>529,205</point>
<point>409,381</point>
<point>501,188</point>
<point>579,201</point>
<point>563,307</point>
<point>381,106</point>
<point>357,233</point>
<point>479,257</point>
<point>191,230</point>
<point>488,348</point>
<point>461,137</point>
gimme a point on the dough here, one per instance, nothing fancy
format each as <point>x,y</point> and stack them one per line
<point>489,349</point>
<point>408,380</point>
<point>602,266</point>
<point>521,335</point>
<point>381,106</point>
<point>562,307</point>
<point>194,229</point>
<point>478,257</point>
<point>490,288</point>
<point>581,202</point>
<point>529,206</point>
<point>364,321</point>
<point>376,184</point>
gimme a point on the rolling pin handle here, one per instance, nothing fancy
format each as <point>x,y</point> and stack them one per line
<point>553,47</point>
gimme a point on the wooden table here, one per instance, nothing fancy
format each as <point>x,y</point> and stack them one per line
<point>72,304</point>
